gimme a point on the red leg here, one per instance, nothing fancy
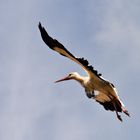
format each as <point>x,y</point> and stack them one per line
<point>118,116</point>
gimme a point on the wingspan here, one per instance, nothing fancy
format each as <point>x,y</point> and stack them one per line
<point>58,47</point>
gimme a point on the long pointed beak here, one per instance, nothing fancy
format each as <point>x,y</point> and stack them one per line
<point>63,79</point>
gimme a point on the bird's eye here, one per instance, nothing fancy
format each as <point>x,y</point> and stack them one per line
<point>70,74</point>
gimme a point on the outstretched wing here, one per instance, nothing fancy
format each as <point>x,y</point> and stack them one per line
<point>58,47</point>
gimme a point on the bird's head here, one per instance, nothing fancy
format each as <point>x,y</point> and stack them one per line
<point>72,75</point>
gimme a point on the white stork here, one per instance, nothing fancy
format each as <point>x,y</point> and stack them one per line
<point>95,86</point>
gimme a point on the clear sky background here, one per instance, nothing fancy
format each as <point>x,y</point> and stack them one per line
<point>32,107</point>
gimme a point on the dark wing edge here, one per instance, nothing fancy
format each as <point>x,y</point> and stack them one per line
<point>108,105</point>
<point>52,43</point>
<point>87,65</point>
<point>57,46</point>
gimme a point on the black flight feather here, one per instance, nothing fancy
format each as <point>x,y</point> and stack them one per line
<point>90,67</point>
<point>51,43</point>
<point>110,106</point>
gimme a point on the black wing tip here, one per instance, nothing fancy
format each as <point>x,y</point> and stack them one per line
<point>39,25</point>
<point>41,28</point>
<point>50,42</point>
<point>46,38</point>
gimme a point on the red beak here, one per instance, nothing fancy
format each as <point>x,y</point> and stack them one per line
<point>63,79</point>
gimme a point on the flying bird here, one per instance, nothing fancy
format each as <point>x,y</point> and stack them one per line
<point>96,87</point>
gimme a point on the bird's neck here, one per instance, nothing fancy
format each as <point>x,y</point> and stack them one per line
<point>80,79</point>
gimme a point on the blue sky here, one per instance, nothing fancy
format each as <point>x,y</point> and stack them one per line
<point>32,107</point>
